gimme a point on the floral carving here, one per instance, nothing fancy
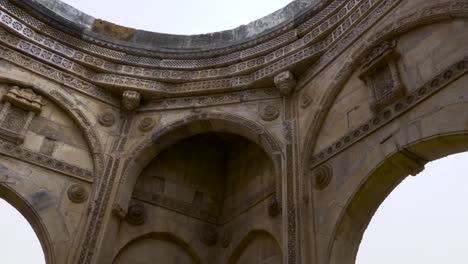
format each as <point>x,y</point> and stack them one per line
<point>269,112</point>
<point>146,124</point>
<point>107,119</point>
<point>136,214</point>
<point>77,193</point>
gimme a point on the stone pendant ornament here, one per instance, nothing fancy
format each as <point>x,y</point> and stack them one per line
<point>131,100</point>
<point>285,82</point>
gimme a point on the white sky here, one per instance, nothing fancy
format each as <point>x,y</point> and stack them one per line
<point>180,16</point>
<point>423,221</point>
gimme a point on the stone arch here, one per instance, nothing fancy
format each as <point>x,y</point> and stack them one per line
<point>407,22</point>
<point>165,237</point>
<point>28,212</point>
<point>378,184</point>
<point>79,115</point>
<point>164,137</point>
<point>247,241</point>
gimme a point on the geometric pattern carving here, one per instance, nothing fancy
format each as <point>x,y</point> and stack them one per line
<point>380,73</point>
<point>19,108</point>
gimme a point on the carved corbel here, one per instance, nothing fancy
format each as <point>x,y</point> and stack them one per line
<point>19,108</point>
<point>285,82</point>
<point>380,73</point>
<point>131,100</point>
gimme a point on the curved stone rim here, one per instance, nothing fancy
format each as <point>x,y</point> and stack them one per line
<point>85,25</point>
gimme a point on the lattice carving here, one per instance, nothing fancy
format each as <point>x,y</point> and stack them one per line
<point>19,108</point>
<point>380,73</point>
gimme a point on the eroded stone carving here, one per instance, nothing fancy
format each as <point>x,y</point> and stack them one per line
<point>136,214</point>
<point>208,235</point>
<point>146,124</point>
<point>269,112</point>
<point>285,82</point>
<point>106,119</point>
<point>305,100</point>
<point>19,108</point>
<point>77,193</point>
<point>131,100</point>
<point>274,208</point>
<point>226,237</point>
<point>380,73</point>
<point>25,99</point>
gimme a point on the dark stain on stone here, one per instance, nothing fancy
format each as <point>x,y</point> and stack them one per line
<point>42,200</point>
<point>112,30</point>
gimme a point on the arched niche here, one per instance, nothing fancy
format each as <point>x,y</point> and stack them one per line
<point>157,248</point>
<point>30,214</point>
<point>212,176</point>
<point>258,247</point>
<point>211,123</point>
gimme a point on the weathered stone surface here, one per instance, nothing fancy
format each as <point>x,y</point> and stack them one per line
<point>123,146</point>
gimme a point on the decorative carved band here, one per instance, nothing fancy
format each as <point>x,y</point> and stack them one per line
<point>12,150</point>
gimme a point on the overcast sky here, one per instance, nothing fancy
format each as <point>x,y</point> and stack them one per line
<point>423,221</point>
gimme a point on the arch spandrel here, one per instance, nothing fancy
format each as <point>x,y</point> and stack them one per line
<point>360,183</point>
<point>346,75</point>
<point>64,152</point>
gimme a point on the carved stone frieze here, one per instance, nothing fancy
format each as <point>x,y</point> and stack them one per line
<point>77,193</point>
<point>12,150</point>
